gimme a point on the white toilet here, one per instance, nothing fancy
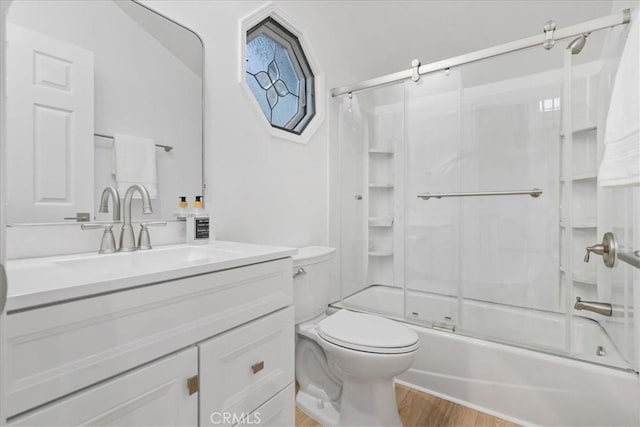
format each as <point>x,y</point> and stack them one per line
<point>345,361</point>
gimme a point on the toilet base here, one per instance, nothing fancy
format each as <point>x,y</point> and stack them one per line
<point>369,403</point>
<point>321,411</point>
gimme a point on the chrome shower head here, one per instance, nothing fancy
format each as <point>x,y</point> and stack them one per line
<point>578,44</point>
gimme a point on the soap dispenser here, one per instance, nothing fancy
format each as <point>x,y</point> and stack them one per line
<point>182,211</point>
<point>197,223</point>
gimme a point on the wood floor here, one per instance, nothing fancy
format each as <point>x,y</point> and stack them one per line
<point>419,409</point>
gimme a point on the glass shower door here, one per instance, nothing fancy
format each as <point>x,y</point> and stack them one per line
<point>432,232</point>
<point>371,136</point>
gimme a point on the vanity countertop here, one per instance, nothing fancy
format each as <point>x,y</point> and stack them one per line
<point>40,281</point>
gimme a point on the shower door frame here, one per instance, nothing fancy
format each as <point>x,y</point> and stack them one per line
<point>621,18</point>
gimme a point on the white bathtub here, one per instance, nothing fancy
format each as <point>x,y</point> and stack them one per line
<point>520,385</point>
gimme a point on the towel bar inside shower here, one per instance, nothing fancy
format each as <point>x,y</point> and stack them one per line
<point>535,192</point>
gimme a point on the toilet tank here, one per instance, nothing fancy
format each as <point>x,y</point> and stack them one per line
<point>311,281</point>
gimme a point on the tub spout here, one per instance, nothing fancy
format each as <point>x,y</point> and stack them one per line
<point>602,308</point>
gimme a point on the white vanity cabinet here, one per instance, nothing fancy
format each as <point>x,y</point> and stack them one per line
<point>243,368</point>
<point>163,353</point>
<point>152,395</point>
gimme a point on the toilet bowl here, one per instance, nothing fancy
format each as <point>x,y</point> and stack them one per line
<point>346,361</point>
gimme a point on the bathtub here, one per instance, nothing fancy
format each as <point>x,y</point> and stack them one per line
<point>518,384</point>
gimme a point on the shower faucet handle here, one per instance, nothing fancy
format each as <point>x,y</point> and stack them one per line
<point>607,249</point>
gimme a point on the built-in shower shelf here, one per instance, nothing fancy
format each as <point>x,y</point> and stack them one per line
<point>581,225</point>
<point>582,276</point>
<point>380,252</point>
<point>381,185</point>
<point>586,278</point>
<point>581,176</point>
<point>589,128</point>
<point>380,151</point>
<point>381,221</point>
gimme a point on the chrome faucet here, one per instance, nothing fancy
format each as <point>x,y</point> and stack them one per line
<point>127,239</point>
<point>104,201</point>
<point>602,308</point>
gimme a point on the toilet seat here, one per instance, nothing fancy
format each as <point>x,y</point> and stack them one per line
<point>367,333</point>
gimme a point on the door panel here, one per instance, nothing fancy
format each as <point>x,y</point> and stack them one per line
<point>49,127</point>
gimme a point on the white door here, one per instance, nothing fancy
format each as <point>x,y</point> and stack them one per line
<point>153,395</point>
<point>49,128</point>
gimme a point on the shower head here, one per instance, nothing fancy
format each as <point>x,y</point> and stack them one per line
<point>578,44</point>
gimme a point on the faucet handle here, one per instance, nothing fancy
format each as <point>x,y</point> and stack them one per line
<point>144,239</point>
<point>607,249</point>
<point>108,242</point>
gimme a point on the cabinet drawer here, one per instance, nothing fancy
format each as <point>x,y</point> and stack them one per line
<point>53,351</point>
<point>245,367</point>
<point>279,411</point>
<point>153,395</point>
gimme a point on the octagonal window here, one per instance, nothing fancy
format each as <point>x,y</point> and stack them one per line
<point>279,76</point>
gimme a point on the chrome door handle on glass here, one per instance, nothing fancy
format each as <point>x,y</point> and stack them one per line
<point>144,239</point>
<point>108,242</point>
<point>607,249</point>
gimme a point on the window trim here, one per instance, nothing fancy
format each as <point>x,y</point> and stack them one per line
<point>309,125</point>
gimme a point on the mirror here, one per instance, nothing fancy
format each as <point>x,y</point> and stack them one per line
<point>80,73</point>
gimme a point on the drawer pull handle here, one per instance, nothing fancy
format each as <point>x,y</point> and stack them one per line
<point>299,272</point>
<point>193,385</point>
<point>257,367</point>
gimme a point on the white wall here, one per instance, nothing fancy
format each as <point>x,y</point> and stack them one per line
<point>265,189</point>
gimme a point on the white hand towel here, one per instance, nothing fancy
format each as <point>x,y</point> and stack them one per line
<point>621,161</point>
<point>135,163</point>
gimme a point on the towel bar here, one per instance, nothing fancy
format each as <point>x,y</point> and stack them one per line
<point>166,148</point>
<point>536,192</point>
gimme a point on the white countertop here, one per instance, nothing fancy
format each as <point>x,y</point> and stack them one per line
<point>40,281</point>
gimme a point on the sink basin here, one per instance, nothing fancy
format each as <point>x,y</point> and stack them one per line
<point>142,261</point>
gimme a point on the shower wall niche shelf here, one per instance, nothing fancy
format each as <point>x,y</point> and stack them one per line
<point>588,128</point>
<point>381,222</point>
<point>582,176</point>
<point>380,252</point>
<point>386,128</point>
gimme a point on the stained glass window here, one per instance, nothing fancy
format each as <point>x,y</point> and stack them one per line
<point>279,76</point>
